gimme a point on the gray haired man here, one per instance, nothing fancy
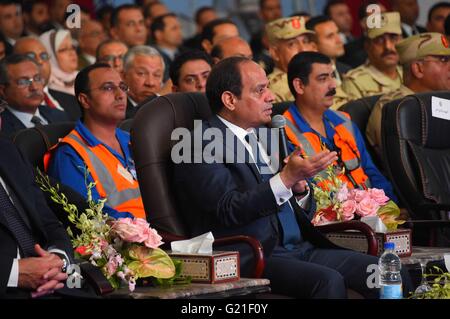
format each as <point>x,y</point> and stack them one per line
<point>143,72</point>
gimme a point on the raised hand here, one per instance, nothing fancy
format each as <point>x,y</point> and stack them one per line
<point>298,168</point>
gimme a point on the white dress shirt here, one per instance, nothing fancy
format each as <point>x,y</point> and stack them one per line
<point>280,191</point>
<point>25,117</point>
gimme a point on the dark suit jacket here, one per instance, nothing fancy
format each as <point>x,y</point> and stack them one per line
<point>11,124</point>
<point>231,199</point>
<point>132,110</point>
<point>19,178</point>
<point>419,28</point>
<point>69,103</point>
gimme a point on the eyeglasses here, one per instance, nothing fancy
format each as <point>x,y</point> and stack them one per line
<point>23,83</point>
<point>44,56</point>
<point>111,87</point>
<point>111,58</point>
<point>439,58</point>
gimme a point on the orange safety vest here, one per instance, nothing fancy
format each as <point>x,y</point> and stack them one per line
<point>113,181</point>
<point>344,139</point>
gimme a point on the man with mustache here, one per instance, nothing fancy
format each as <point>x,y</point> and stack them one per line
<point>312,127</point>
<point>21,86</point>
<point>381,73</point>
<point>98,145</point>
<point>425,59</point>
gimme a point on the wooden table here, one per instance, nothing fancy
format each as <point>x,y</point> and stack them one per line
<point>242,287</point>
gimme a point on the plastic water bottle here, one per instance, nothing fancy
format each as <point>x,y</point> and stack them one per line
<point>390,277</point>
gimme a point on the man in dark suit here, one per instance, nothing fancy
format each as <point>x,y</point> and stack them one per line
<point>231,189</point>
<point>33,244</point>
<point>21,86</point>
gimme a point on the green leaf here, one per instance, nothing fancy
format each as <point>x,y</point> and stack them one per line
<point>148,262</point>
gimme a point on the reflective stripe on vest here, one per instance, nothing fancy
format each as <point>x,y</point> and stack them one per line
<point>121,193</point>
<point>311,145</point>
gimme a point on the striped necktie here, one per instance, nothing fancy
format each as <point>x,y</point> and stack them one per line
<point>16,225</point>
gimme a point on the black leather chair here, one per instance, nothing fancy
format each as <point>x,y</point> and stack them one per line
<point>33,143</point>
<point>359,110</point>
<point>280,107</point>
<point>126,125</point>
<point>416,155</point>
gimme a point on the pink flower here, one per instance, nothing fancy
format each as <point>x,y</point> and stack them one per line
<point>358,195</point>
<point>367,207</point>
<point>342,194</point>
<point>137,230</point>
<point>111,267</point>
<point>153,239</point>
<point>129,230</point>
<point>378,195</point>
<point>348,209</point>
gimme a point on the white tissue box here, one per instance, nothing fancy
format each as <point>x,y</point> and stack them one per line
<point>219,266</point>
<point>357,241</point>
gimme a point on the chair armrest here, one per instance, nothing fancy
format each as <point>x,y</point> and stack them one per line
<point>252,242</point>
<point>95,278</point>
<point>372,243</point>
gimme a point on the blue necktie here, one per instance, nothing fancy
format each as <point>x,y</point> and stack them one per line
<point>286,215</point>
<point>16,225</point>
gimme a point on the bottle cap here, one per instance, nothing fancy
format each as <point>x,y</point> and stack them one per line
<point>389,245</point>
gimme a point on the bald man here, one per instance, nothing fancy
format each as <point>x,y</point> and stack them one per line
<point>228,47</point>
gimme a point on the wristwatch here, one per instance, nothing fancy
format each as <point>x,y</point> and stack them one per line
<point>65,265</point>
<point>64,260</point>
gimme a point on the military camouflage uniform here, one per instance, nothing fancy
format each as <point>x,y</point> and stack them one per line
<point>278,84</point>
<point>366,80</point>
<point>373,130</point>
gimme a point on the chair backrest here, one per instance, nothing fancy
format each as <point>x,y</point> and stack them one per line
<point>151,143</point>
<point>360,110</point>
<point>126,125</point>
<point>35,142</point>
<point>280,107</point>
<point>416,140</point>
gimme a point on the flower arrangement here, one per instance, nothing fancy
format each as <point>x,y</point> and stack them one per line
<point>125,249</point>
<point>440,287</point>
<point>335,202</point>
